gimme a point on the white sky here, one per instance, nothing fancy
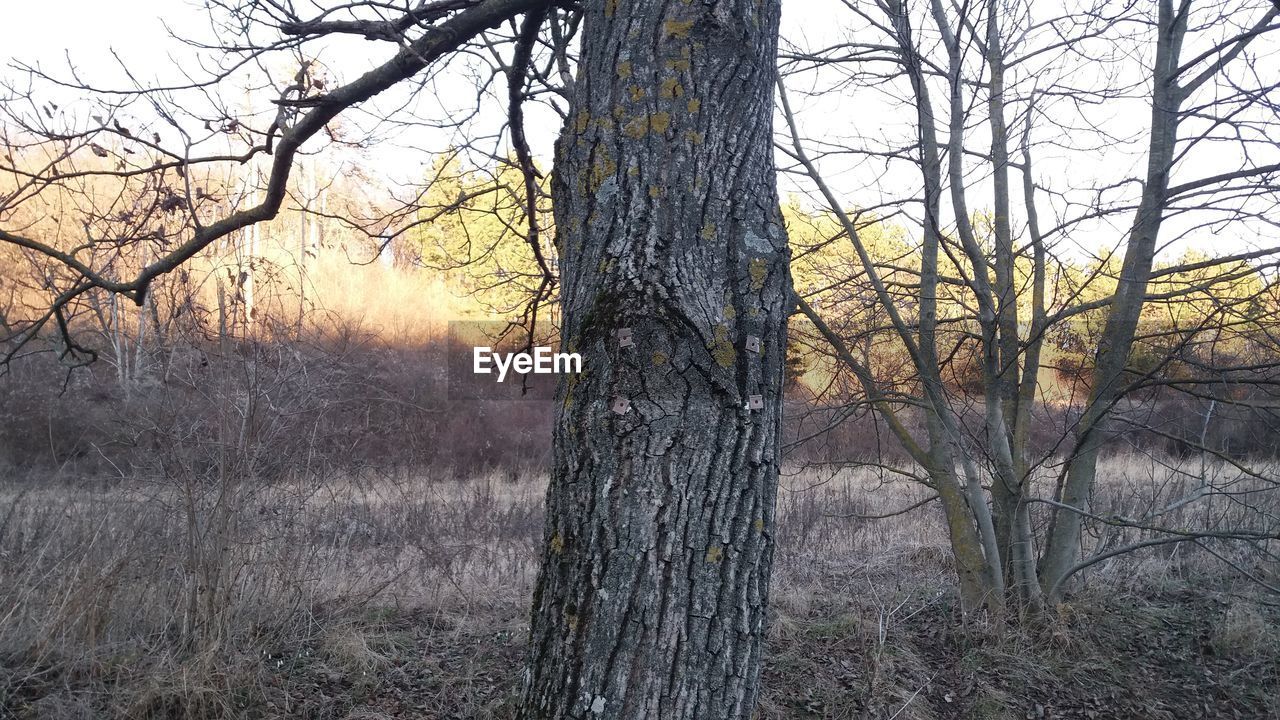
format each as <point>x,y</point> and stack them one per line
<point>86,31</point>
<point>49,32</point>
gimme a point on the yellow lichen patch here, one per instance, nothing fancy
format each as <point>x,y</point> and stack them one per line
<point>582,122</point>
<point>571,621</point>
<point>671,88</point>
<point>570,382</point>
<point>709,231</point>
<point>759,270</point>
<point>694,137</point>
<point>640,126</point>
<point>714,554</point>
<point>655,192</point>
<point>636,92</point>
<point>633,171</point>
<point>610,7</point>
<point>729,312</point>
<point>602,169</point>
<point>637,128</point>
<point>557,543</point>
<point>677,28</point>
<point>624,69</point>
<point>695,105</point>
<point>659,358</point>
<point>759,525</point>
<point>681,63</point>
<point>721,349</point>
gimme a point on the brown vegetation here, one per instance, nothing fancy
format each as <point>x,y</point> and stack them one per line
<point>403,595</point>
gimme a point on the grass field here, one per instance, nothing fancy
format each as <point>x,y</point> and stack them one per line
<point>405,597</point>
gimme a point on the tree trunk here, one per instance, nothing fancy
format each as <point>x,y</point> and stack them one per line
<point>1062,548</point>
<point>652,598</point>
<point>977,568</point>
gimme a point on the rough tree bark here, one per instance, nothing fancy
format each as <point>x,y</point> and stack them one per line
<point>652,598</point>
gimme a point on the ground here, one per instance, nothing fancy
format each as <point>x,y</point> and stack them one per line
<point>410,601</point>
<point>1129,657</point>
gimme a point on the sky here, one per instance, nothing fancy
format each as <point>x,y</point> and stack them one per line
<point>87,32</point>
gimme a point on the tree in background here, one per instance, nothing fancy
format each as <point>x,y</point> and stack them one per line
<point>994,87</point>
<point>469,231</point>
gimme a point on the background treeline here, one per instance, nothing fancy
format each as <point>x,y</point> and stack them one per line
<point>325,344</point>
<point>305,343</point>
<point>1202,374</point>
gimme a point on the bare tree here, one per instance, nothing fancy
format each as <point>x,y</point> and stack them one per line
<point>991,84</point>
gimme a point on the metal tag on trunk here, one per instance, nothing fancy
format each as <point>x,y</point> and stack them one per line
<point>621,405</point>
<point>753,343</point>
<point>755,402</point>
<point>624,338</point>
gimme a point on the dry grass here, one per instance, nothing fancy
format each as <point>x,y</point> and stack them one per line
<point>406,596</point>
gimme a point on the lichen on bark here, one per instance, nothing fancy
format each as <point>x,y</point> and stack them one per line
<point>661,512</point>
